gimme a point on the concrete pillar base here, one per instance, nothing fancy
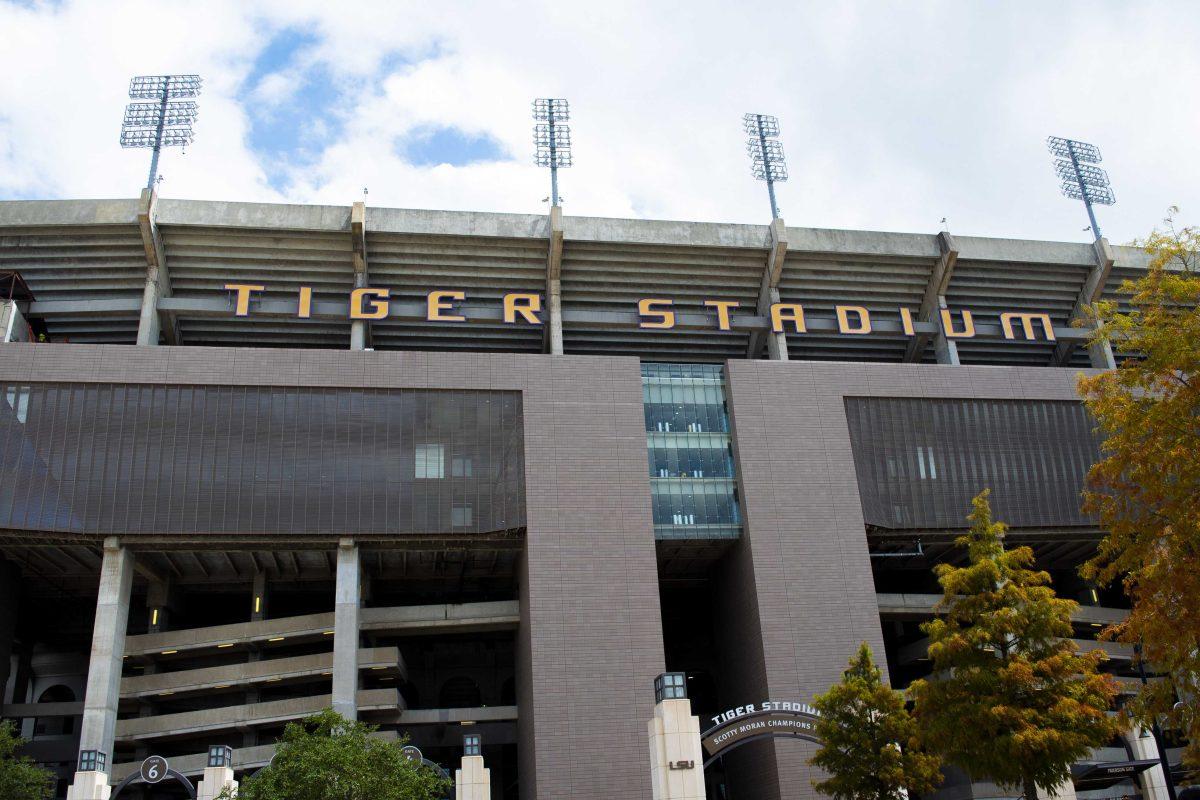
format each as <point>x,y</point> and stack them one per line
<point>214,782</point>
<point>676,763</point>
<point>1151,781</point>
<point>472,780</point>
<point>89,786</point>
<point>1064,791</point>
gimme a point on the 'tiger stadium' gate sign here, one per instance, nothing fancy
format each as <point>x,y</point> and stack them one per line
<point>768,719</point>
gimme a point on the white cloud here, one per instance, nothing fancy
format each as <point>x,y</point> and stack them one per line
<point>893,115</point>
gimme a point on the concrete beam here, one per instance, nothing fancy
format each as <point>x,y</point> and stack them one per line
<point>768,293</point>
<point>273,712</point>
<point>387,659</point>
<point>360,332</point>
<point>1113,651</point>
<point>153,321</point>
<point>416,620</point>
<point>1092,291</point>
<point>108,647</point>
<point>553,329</point>
<point>925,605</point>
<point>932,303</point>
<point>346,604</point>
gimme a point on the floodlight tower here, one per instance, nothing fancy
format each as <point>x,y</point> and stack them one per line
<point>166,122</point>
<point>1080,180</point>
<point>766,153</point>
<point>552,138</point>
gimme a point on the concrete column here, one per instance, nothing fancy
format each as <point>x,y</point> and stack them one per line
<point>676,763</point>
<point>10,586</point>
<point>1064,791</point>
<point>358,327</point>
<point>472,780</point>
<point>258,600</point>
<point>554,307</point>
<point>1101,356</point>
<point>104,668</point>
<point>777,349</point>
<point>1152,781</point>
<point>158,601</point>
<point>945,349</point>
<point>358,241</point>
<point>148,324</point>
<point>345,630</point>
<point>554,253</point>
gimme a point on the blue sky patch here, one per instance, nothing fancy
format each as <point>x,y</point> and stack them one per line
<point>428,147</point>
<point>295,131</point>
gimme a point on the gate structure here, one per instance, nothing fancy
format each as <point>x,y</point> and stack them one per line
<point>679,753</point>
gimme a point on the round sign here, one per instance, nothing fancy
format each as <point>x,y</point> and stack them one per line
<point>154,769</point>
<point>412,753</point>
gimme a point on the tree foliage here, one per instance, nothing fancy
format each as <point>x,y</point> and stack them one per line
<point>328,757</point>
<point>1012,699</point>
<point>869,741</point>
<point>20,778</point>
<point>1146,490</point>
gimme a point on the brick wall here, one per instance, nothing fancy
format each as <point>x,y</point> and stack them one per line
<point>798,589</point>
<point>590,641</point>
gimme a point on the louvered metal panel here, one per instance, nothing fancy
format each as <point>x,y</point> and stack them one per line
<point>919,461</point>
<point>181,459</point>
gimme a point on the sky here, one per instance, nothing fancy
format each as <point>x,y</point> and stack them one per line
<point>893,115</point>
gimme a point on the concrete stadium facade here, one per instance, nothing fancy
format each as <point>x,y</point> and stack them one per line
<point>444,518</point>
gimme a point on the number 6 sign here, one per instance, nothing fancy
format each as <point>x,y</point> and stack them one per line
<point>153,769</point>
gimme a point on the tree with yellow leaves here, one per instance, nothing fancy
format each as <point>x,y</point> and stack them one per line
<point>1011,699</point>
<point>1146,490</point>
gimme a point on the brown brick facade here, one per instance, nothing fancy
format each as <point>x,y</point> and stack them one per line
<point>590,641</point>
<point>797,590</point>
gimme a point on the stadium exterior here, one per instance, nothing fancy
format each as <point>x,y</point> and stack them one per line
<point>494,474</point>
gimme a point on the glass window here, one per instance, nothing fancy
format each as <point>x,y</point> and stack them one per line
<point>431,461</point>
<point>460,516</point>
<point>460,467</point>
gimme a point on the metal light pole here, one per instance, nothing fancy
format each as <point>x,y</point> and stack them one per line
<point>1155,729</point>
<point>165,122</point>
<point>552,138</point>
<point>1080,180</point>
<point>766,153</point>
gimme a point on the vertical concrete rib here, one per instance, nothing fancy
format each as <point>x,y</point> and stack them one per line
<point>932,303</point>
<point>554,327</point>
<point>152,322</point>
<point>358,240</point>
<point>345,630</point>
<point>108,648</point>
<point>768,294</point>
<point>1100,355</point>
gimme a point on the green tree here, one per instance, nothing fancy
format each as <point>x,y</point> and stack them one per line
<point>869,741</point>
<point>1145,489</point>
<point>1012,699</point>
<point>328,757</point>
<point>20,778</point>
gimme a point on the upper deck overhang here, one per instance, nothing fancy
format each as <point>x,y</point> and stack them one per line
<point>86,263</point>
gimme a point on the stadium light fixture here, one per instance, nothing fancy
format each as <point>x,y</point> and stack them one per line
<point>766,153</point>
<point>1081,180</point>
<point>164,122</point>
<point>552,138</point>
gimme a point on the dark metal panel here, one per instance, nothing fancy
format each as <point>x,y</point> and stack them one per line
<point>919,462</point>
<point>134,459</point>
